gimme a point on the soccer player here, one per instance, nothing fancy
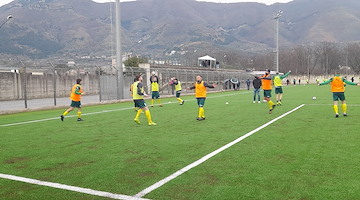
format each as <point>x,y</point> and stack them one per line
<point>131,93</point>
<point>278,86</point>
<point>266,86</point>
<point>338,90</point>
<point>155,94</point>
<point>200,94</point>
<point>75,96</point>
<point>138,97</point>
<point>177,83</point>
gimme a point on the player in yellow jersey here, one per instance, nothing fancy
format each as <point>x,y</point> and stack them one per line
<point>138,97</point>
<point>131,93</point>
<point>177,83</point>
<point>75,96</point>
<point>266,86</point>
<point>155,89</point>
<point>200,94</point>
<point>278,86</point>
<point>338,90</point>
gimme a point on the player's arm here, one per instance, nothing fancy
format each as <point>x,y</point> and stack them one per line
<point>191,88</point>
<point>326,82</point>
<point>348,82</point>
<point>77,91</point>
<point>209,86</point>
<point>285,75</point>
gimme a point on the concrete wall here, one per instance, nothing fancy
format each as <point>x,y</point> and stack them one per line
<point>12,85</point>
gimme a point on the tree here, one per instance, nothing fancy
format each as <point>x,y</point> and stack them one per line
<point>353,56</point>
<point>134,61</point>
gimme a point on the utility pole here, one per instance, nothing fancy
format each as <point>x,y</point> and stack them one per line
<point>119,68</point>
<point>277,17</point>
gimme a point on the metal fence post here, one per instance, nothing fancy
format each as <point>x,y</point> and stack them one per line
<point>54,82</point>
<point>24,84</point>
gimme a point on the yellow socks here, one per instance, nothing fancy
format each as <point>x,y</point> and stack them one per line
<point>159,101</point>
<point>79,114</point>
<point>344,108</point>
<point>65,113</point>
<point>270,104</point>
<point>180,100</point>
<point>201,113</point>
<point>148,116</point>
<point>152,102</point>
<point>138,114</point>
<point>336,109</point>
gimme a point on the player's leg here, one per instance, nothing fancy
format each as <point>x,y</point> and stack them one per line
<point>159,100</point>
<point>279,98</point>
<point>201,112</point>
<point>343,104</point>
<point>152,102</point>
<point>178,93</point>
<point>148,116</point>
<point>344,108</point>
<point>137,104</point>
<point>79,113</point>
<point>72,106</point>
<point>335,106</point>
<point>271,104</point>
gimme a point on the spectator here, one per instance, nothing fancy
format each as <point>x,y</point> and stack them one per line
<point>257,84</point>
<point>248,84</point>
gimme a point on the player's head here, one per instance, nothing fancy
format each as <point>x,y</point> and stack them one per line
<point>78,81</point>
<point>277,73</point>
<point>138,78</point>
<point>267,71</point>
<point>153,73</point>
<point>199,78</point>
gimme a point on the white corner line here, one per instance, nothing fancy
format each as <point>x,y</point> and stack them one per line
<point>70,188</point>
<point>208,156</point>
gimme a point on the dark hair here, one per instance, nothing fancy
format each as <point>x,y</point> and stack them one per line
<point>78,81</point>
<point>137,77</point>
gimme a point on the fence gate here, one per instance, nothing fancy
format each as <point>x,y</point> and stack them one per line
<point>108,87</point>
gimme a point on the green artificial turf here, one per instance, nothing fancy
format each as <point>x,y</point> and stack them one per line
<point>308,154</point>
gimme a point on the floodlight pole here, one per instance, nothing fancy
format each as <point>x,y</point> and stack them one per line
<point>277,17</point>
<point>7,19</point>
<point>119,68</point>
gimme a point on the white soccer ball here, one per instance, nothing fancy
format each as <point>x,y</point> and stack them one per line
<point>314,98</point>
<point>227,103</point>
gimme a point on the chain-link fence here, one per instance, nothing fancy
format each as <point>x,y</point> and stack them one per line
<point>29,85</point>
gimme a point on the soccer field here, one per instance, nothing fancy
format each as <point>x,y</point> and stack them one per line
<point>300,151</point>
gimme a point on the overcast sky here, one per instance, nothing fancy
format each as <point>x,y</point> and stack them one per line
<point>268,2</point>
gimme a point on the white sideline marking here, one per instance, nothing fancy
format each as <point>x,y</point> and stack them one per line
<point>70,188</point>
<point>352,105</point>
<point>208,156</point>
<point>100,112</point>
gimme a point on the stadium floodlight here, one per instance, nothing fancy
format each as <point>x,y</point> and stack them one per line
<point>277,17</point>
<point>7,19</point>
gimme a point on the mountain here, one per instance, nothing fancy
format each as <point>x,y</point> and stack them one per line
<point>66,28</point>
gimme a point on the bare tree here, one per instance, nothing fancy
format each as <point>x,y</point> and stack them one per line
<point>353,56</point>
